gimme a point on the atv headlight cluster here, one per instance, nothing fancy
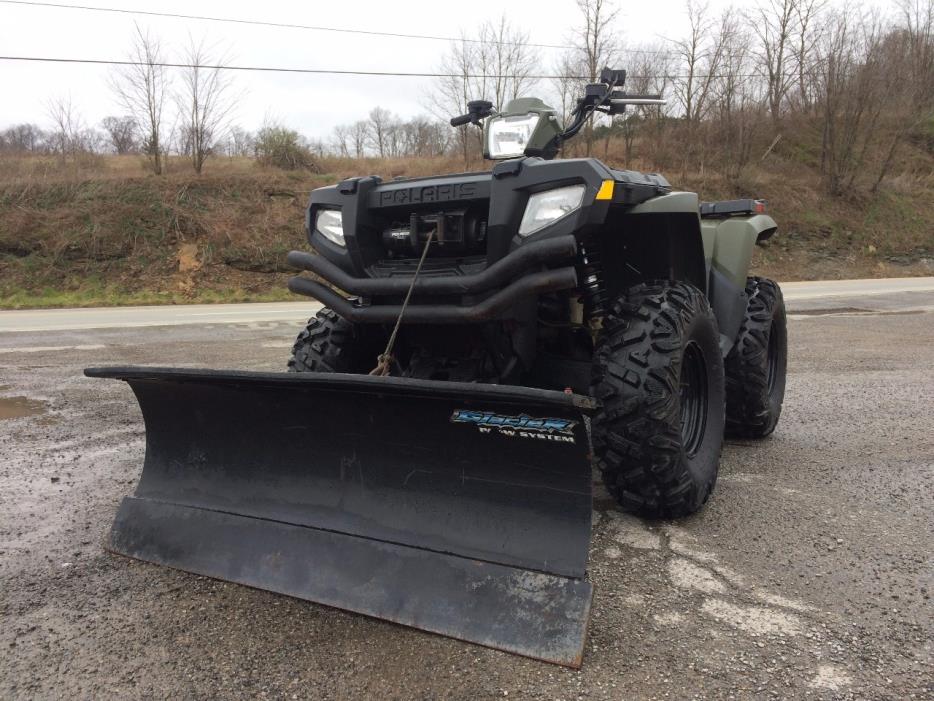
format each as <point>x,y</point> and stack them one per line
<point>507,136</point>
<point>547,207</point>
<point>330,224</point>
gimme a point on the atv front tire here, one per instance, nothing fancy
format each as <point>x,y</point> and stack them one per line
<point>659,375</point>
<point>330,343</point>
<point>756,365</point>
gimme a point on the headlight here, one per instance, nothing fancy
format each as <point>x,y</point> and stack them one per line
<point>328,223</point>
<point>547,207</point>
<point>508,136</point>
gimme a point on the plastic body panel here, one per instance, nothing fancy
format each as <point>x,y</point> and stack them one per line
<point>728,243</point>
<point>728,247</point>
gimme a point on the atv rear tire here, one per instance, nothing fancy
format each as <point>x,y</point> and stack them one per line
<point>330,343</point>
<point>756,365</point>
<point>659,375</point>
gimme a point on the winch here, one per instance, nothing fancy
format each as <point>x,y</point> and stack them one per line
<point>454,232</point>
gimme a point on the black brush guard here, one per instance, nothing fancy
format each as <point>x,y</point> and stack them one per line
<point>462,509</point>
<point>486,295</point>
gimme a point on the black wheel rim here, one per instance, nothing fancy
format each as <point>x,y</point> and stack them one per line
<point>772,359</point>
<point>693,398</point>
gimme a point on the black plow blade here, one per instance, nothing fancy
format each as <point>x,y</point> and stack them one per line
<point>461,509</point>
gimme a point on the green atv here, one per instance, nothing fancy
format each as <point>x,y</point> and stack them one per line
<point>559,274</point>
<point>484,337</point>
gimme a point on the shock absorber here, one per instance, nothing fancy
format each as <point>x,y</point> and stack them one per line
<point>590,273</point>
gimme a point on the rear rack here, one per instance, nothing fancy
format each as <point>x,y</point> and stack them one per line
<point>729,208</point>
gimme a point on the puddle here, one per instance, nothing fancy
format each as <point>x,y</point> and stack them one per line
<point>17,407</point>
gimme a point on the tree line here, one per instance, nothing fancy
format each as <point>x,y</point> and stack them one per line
<point>841,86</point>
<point>836,84</point>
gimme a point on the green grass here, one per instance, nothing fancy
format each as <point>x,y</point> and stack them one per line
<point>99,295</point>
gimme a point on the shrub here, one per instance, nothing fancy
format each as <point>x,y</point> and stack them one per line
<point>283,148</point>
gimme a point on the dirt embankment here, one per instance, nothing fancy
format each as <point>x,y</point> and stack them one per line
<point>115,235</point>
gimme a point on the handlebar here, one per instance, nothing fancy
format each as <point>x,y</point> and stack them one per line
<point>627,99</point>
<point>461,120</point>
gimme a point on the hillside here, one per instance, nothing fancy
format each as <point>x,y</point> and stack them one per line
<point>104,232</point>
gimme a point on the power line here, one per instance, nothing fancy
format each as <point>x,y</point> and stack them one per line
<point>280,25</point>
<point>275,69</point>
<point>318,28</point>
<point>332,71</point>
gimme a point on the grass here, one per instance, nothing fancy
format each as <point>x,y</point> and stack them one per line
<point>101,295</point>
<point>106,232</point>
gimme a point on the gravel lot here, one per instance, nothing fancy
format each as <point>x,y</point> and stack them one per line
<point>808,575</point>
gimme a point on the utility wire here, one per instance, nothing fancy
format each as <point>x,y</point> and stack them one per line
<point>281,25</point>
<point>274,69</point>
<point>317,28</point>
<point>331,71</point>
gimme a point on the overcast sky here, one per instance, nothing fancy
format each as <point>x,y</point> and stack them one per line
<point>310,103</point>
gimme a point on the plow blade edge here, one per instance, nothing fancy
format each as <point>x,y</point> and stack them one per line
<point>461,509</point>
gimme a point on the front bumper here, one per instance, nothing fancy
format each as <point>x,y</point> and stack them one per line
<point>483,296</point>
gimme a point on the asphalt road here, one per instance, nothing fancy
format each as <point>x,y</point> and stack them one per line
<point>808,574</point>
<point>812,293</point>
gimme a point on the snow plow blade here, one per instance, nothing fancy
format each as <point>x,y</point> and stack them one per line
<point>461,509</point>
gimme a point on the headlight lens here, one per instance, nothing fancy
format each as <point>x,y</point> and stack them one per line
<point>547,207</point>
<point>329,223</point>
<point>508,136</point>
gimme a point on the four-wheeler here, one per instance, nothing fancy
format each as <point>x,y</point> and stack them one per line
<point>485,339</point>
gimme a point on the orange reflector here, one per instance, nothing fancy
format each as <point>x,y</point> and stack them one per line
<point>761,206</point>
<point>606,191</point>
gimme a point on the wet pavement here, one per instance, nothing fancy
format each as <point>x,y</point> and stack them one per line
<point>808,574</point>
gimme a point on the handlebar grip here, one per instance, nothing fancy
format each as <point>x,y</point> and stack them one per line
<point>461,121</point>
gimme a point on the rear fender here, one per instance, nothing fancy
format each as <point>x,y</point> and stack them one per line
<point>728,246</point>
<point>728,243</point>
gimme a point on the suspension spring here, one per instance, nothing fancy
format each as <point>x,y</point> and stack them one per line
<point>590,273</point>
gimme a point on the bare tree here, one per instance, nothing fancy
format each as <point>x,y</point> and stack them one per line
<point>774,25</point>
<point>204,99</point>
<point>359,135</point>
<point>567,84</point>
<point>67,127</point>
<point>738,112</point>
<point>911,53</point>
<point>141,87</point>
<point>700,54</point>
<point>808,33</point>
<point>854,90</point>
<point>597,47</point>
<point>457,88</point>
<point>418,136</point>
<point>649,74</point>
<point>496,66</point>
<point>342,139</point>
<point>26,138</point>
<point>509,58</point>
<point>122,134</point>
<point>240,142</point>
<point>381,121</point>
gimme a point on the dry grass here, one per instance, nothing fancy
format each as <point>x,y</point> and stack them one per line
<point>105,231</point>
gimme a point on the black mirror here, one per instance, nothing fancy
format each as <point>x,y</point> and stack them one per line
<point>611,77</point>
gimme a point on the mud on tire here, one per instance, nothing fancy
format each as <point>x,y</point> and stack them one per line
<point>330,343</point>
<point>658,372</point>
<point>756,366</point>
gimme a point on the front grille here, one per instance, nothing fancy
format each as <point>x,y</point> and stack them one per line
<point>433,267</point>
